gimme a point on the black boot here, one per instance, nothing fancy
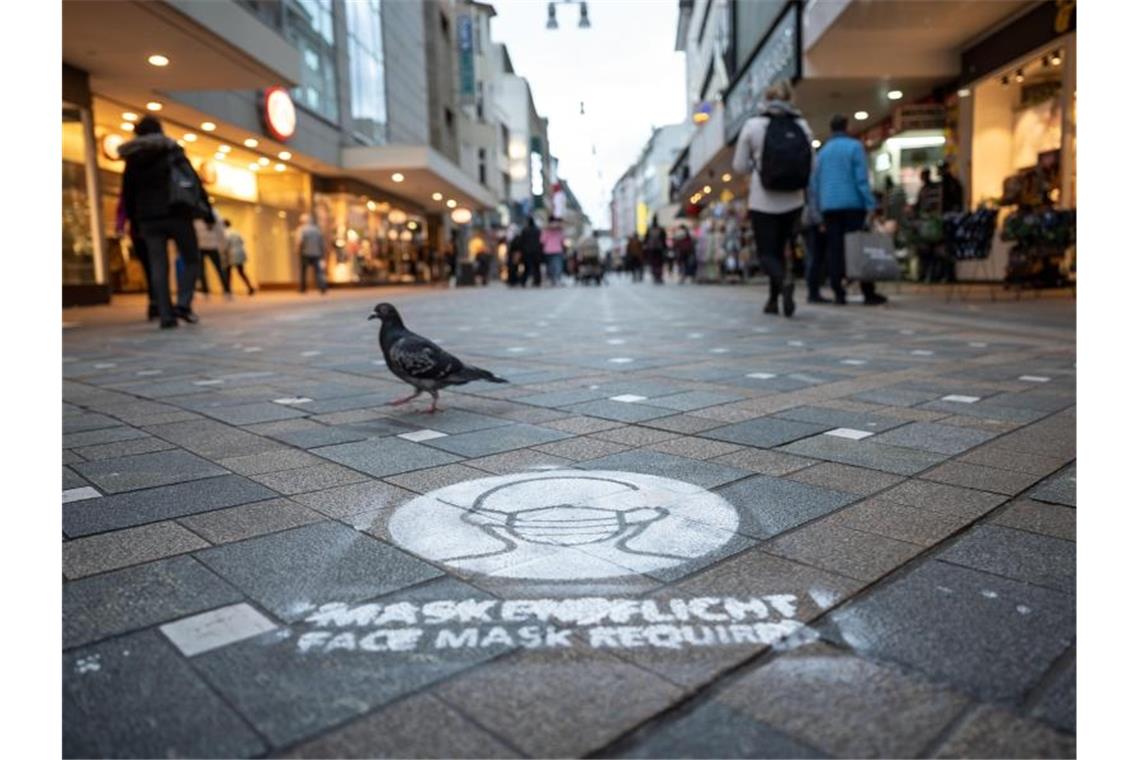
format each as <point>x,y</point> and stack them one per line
<point>151,313</point>
<point>773,306</point>
<point>186,315</point>
<point>789,303</point>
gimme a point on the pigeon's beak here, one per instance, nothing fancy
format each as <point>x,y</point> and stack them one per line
<point>374,316</point>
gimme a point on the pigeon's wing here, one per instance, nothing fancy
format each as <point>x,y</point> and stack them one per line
<point>418,357</point>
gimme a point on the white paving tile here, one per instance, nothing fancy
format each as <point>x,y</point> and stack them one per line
<point>292,401</point>
<point>616,341</point>
<point>208,382</point>
<point>105,365</point>
<point>962,399</point>
<point>252,349</point>
<point>311,353</point>
<point>854,362</point>
<point>422,435</point>
<point>610,329</point>
<point>695,336</point>
<point>978,344</point>
<point>795,342</point>
<point>760,375</point>
<point>381,362</point>
<point>1034,378</point>
<point>907,332</point>
<point>79,494</point>
<point>517,349</point>
<point>718,350</point>
<point>627,398</point>
<point>921,352</point>
<point>217,628</point>
<point>148,372</point>
<point>621,360</point>
<point>850,433</point>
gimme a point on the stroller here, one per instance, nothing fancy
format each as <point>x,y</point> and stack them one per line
<point>590,263</point>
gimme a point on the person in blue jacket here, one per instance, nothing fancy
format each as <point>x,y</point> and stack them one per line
<point>842,192</point>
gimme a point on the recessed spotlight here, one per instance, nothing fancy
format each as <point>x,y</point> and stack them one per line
<point>412,225</point>
<point>284,155</point>
<point>279,167</point>
<point>158,60</point>
<point>263,161</point>
<point>816,143</point>
<point>397,177</point>
<point>130,116</point>
<point>154,105</point>
<point>209,126</point>
<point>189,137</point>
<point>1019,75</point>
<point>437,196</point>
<point>224,149</point>
<point>726,177</point>
<point>706,189</point>
<point>219,156</point>
<point>126,126</point>
<point>371,205</point>
<point>894,95</point>
<point>964,92</point>
<point>451,203</point>
<point>250,142</point>
<point>254,167</point>
<point>862,116</point>
<point>1056,58</point>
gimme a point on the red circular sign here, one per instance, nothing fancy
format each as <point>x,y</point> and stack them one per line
<point>280,115</point>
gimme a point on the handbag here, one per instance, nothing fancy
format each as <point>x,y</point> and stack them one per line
<point>186,188</point>
<point>870,256</point>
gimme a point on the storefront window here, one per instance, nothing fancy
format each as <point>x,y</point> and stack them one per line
<point>373,241</point>
<point>309,26</point>
<point>366,69</point>
<point>78,239</point>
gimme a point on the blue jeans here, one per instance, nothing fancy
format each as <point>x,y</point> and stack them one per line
<point>318,268</point>
<point>554,265</point>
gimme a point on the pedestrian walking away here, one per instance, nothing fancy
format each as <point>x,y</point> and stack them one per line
<point>635,258</point>
<point>843,194</point>
<point>138,252</point>
<point>554,249</point>
<point>162,193</point>
<point>531,243</point>
<point>211,241</point>
<point>655,245</point>
<point>311,248</point>
<point>686,254</point>
<point>775,147</point>
<point>235,257</point>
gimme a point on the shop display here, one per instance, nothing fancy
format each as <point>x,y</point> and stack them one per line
<point>1040,239</point>
<point>969,237</point>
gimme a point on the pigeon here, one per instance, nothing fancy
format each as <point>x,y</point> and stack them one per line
<point>419,362</point>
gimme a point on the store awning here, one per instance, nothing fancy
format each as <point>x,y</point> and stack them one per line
<point>416,172</point>
<point>210,45</point>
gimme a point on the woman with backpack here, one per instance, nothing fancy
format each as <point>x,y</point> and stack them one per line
<point>162,193</point>
<point>775,147</point>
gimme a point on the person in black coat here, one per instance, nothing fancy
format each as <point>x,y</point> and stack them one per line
<point>531,244</point>
<point>150,159</point>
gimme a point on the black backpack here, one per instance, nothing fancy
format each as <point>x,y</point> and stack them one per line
<point>786,160</point>
<point>185,187</point>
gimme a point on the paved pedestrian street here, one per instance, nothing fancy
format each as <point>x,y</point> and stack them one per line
<point>683,529</point>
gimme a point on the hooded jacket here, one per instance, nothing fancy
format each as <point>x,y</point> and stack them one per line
<point>146,178</point>
<point>750,152</point>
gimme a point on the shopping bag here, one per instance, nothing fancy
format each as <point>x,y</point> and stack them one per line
<point>870,256</point>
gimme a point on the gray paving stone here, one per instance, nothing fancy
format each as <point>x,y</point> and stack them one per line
<point>139,597</point>
<point>985,478</point>
<point>1016,554</point>
<point>764,462</point>
<point>690,400</point>
<point>990,731</point>
<point>845,705</point>
<point>865,453</point>
<point>103,435</point>
<point>581,425</point>
<point>159,468</point>
<point>715,730</point>
<point>619,410</point>
<point>929,436</point>
<point>128,448</point>
<point>70,457</point>
<point>270,461</point>
<point>769,506</point>
<point>386,456</point>
<point>121,548</point>
<point>992,455</point>
<point>135,697</point>
<point>212,439</point>
<point>564,398</point>
<point>703,474</point>
<point>1058,703</point>
<point>987,636</point>
<point>290,696</point>
<point>887,518</point>
<point>835,418</point>
<point>687,424</point>
<point>693,447</point>
<point>1059,489</point>
<point>896,396</point>
<point>249,414</point>
<point>519,460</point>
<point>78,423</point>
<point>541,700</point>
<point>635,435</point>
<point>305,479</point>
<point>126,510</point>
<point>853,553</point>
<point>313,435</point>
<point>450,421</point>
<point>765,432</point>
<point>497,440</point>
<point>946,499</point>
<point>985,409</point>
<point>382,427</point>
<point>293,572</point>
<point>1038,517</point>
<point>842,477</point>
<point>419,726</point>
<point>422,481</point>
<point>355,499</point>
<point>578,449</point>
<point>72,479</point>
<point>223,526</point>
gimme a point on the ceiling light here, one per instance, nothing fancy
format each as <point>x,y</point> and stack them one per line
<point>397,177</point>
<point>894,95</point>
<point>250,142</point>
<point>451,203</point>
<point>726,177</point>
<point>279,167</point>
<point>816,143</point>
<point>412,225</point>
<point>224,149</point>
<point>254,167</point>
<point>706,189</point>
<point>154,105</point>
<point>209,126</point>
<point>1019,75</point>
<point>126,126</point>
<point>129,116</point>
<point>1056,58</point>
<point>461,216</point>
<point>862,116</point>
<point>437,196</point>
<point>371,205</point>
<point>219,156</point>
<point>263,161</point>
<point>964,92</point>
<point>284,155</point>
<point>158,60</point>
<point>189,137</point>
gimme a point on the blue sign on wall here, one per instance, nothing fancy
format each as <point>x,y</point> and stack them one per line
<point>466,36</point>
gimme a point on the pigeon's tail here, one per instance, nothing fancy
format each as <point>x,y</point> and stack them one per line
<point>467,374</point>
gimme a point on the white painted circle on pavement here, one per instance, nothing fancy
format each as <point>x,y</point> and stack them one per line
<point>564,525</point>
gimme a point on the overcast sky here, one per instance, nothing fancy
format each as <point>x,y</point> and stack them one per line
<point>624,70</point>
